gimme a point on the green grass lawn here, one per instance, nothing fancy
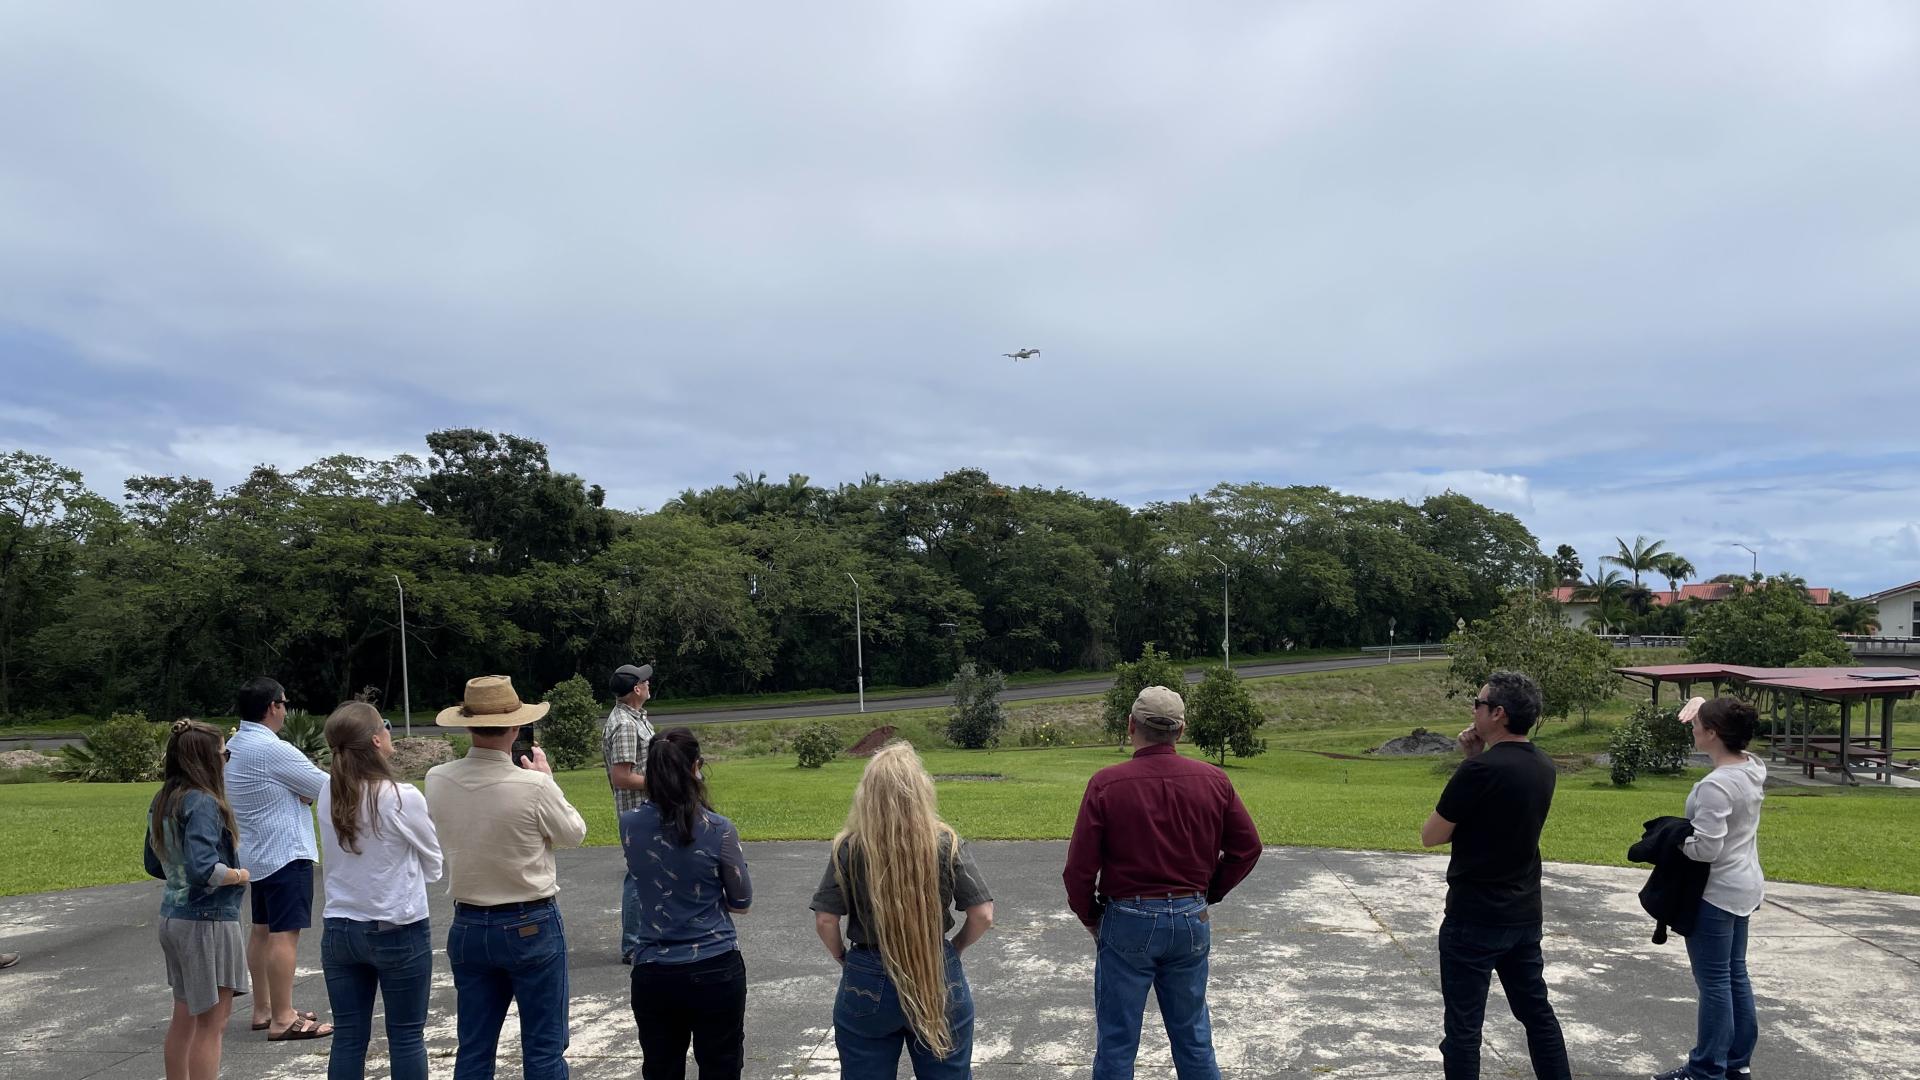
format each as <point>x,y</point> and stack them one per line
<point>1308,789</point>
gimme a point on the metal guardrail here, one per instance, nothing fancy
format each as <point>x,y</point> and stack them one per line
<point>1430,651</point>
<point>1881,646</point>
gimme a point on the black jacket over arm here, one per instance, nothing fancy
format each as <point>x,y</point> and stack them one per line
<point>1672,892</point>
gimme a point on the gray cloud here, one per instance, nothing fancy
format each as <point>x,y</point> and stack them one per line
<point>1620,268</point>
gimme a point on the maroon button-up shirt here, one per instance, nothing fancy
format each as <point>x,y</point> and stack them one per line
<point>1158,825</point>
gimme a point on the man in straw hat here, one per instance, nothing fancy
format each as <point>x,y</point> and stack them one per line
<point>1160,839</point>
<point>499,822</point>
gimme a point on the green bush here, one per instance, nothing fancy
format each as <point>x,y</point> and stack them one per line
<point>1043,733</point>
<point>816,745</point>
<point>308,734</point>
<point>1651,740</point>
<point>1221,716</point>
<point>1154,668</point>
<point>124,750</point>
<point>976,719</point>
<point>570,732</point>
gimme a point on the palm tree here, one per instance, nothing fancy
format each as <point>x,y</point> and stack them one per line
<point>1852,616</point>
<point>1608,593</point>
<point>1639,558</point>
<point>1675,568</point>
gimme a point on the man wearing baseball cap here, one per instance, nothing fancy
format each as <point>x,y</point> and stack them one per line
<point>623,743</point>
<point>1160,839</point>
<point>499,823</point>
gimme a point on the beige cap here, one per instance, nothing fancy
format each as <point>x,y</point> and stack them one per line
<point>1159,707</point>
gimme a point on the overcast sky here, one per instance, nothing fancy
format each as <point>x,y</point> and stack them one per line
<point>1617,267</point>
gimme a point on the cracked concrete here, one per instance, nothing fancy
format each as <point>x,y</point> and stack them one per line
<point>1323,966</point>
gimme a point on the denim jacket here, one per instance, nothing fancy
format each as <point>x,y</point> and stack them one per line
<point>199,850</point>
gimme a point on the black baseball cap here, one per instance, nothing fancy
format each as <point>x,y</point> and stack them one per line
<point>628,676</point>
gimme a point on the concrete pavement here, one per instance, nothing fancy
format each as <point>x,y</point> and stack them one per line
<point>1323,966</point>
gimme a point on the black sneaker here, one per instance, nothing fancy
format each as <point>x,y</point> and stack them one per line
<point>1680,1073</point>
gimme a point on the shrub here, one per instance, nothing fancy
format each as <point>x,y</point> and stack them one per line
<point>1651,740</point>
<point>976,719</point>
<point>1042,733</point>
<point>570,732</point>
<point>124,750</point>
<point>308,734</point>
<point>816,745</point>
<point>1221,716</point>
<point>1154,668</point>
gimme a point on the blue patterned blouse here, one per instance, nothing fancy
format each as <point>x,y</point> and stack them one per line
<point>685,891</point>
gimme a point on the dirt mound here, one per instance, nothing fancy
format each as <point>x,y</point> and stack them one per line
<point>1419,744</point>
<point>871,742</point>
<point>24,759</point>
<point>413,757</point>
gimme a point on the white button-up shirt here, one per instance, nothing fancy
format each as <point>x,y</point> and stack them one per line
<point>386,880</point>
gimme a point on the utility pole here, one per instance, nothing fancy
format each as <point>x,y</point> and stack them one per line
<point>859,654</point>
<point>1226,614</point>
<point>406,697</point>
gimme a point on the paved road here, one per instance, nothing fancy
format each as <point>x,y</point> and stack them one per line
<point>1323,969</point>
<point>1071,688</point>
<point>842,706</point>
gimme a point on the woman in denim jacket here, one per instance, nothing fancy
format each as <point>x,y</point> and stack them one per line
<point>191,841</point>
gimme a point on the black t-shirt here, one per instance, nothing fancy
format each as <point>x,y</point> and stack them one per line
<point>961,886</point>
<point>1497,803</point>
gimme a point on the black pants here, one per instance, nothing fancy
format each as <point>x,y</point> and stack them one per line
<point>1469,955</point>
<point>705,1002</point>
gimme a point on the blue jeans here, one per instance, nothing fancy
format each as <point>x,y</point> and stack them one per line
<point>629,917</point>
<point>1162,944</point>
<point>510,956</point>
<point>360,957</point>
<point>1469,955</point>
<point>869,1027</point>
<point>1727,1027</point>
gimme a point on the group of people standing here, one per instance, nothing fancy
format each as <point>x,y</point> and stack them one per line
<point>1159,840</point>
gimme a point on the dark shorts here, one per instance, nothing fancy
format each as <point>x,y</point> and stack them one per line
<point>283,900</point>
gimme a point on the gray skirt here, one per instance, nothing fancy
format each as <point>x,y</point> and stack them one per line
<point>204,956</point>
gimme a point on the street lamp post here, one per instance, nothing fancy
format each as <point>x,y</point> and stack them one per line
<point>1226,615</point>
<point>1756,557</point>
<point>859,654</point>
<point>406,697</point>
<point>1390,625</point>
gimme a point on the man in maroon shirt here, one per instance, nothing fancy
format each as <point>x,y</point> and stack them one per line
<point>1159,838</point>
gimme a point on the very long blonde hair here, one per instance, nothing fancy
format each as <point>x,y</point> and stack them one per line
<point>895,837</point>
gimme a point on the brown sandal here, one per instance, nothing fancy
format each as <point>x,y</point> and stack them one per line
<point>297,1015</point>
<point>303,1027</point>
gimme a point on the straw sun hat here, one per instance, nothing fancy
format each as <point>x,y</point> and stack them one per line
<point>490,702</point>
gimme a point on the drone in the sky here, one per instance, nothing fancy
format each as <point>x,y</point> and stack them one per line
<point>1023,354</point>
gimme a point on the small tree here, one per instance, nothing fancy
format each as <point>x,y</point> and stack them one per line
<point>570,731</point>
<point>816,745</point>
<point>1770,625</point>
<point>1529,634</point>
<point>1154,668</point>
<point>1222,717</point>
<point>976,719</point>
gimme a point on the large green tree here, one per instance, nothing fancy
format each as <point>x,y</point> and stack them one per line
<point>1770,625</point>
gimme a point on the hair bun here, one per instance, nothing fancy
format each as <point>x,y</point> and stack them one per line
<point>181,725</point>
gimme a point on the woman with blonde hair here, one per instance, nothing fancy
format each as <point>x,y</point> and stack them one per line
<point>381,851</point>
<point>191,844</point>
<point>896,873</point>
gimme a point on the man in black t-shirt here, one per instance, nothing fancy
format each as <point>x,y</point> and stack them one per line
<point>1492,811</point>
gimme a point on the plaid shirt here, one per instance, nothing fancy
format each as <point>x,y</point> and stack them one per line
<point>625,739</point>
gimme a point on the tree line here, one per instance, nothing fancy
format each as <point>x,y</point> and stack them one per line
<point>165,599</point>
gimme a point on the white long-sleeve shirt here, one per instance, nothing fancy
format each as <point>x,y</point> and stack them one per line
<point>1725,810</point>
<point>387,880</point>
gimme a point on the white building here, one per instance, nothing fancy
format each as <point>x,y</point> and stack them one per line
<point>1899,611</point>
